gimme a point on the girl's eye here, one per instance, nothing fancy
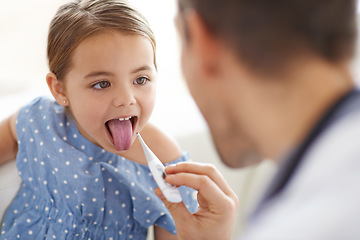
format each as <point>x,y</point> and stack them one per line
<point>101,85</point>
<point>141,81</point>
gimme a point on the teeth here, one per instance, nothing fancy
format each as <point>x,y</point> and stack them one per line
<point>124,119</point>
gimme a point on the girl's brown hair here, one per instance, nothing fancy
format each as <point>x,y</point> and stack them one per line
<point>81,19</point>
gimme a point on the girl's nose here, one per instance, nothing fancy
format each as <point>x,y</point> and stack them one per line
<point>124,96</point>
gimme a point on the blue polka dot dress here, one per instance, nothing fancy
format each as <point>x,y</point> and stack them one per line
<point>72,189</point>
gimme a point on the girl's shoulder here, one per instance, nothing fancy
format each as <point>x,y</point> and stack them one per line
<point>164,147</point>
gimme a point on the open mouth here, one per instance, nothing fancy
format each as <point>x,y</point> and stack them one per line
<point>120,131</point>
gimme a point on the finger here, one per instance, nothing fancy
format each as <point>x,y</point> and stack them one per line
<point>178,210</point>
<point>202,169</point>
<point>206,187</point>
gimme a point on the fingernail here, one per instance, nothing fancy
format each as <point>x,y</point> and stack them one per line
<point>170,167</point>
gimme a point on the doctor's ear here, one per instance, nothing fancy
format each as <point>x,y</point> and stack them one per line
<point>57,89</point>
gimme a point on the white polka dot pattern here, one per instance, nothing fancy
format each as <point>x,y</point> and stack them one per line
<point>74,189</point>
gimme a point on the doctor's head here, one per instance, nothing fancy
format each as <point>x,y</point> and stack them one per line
<point>260,39</point>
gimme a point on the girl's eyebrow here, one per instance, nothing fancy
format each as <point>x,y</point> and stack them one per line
<point>142,68</point>
<point>103,73</point>
<point>98,73</point>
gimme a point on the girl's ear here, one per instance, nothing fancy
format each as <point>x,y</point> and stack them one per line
<point>57,89</point>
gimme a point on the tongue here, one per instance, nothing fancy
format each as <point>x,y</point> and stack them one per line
<point>121,132</point>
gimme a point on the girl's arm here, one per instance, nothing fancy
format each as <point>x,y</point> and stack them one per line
<point>162,234</point>
<point>8,139</point>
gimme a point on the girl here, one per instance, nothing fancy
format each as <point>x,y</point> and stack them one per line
<point>83,171</point>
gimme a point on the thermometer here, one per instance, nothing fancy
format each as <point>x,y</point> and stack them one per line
<point>157,169</point>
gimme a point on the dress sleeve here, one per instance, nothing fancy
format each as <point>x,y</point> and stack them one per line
<point>29,132</point>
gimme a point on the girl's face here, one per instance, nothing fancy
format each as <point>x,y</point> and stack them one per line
<point>110,88</point>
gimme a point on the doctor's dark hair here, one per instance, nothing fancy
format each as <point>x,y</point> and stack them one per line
<point>81,19</point>
<point>266,34</point>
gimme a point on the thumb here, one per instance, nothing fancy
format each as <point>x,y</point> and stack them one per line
<point>178,210</point>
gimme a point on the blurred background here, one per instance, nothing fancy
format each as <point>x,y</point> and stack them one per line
<point>23,35</point>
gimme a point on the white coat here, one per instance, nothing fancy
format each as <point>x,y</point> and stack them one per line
<point>321,201</point>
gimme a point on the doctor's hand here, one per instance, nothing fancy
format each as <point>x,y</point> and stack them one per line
<point>217,202</point>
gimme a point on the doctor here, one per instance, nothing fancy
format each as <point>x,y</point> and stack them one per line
<point>273,80</point>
